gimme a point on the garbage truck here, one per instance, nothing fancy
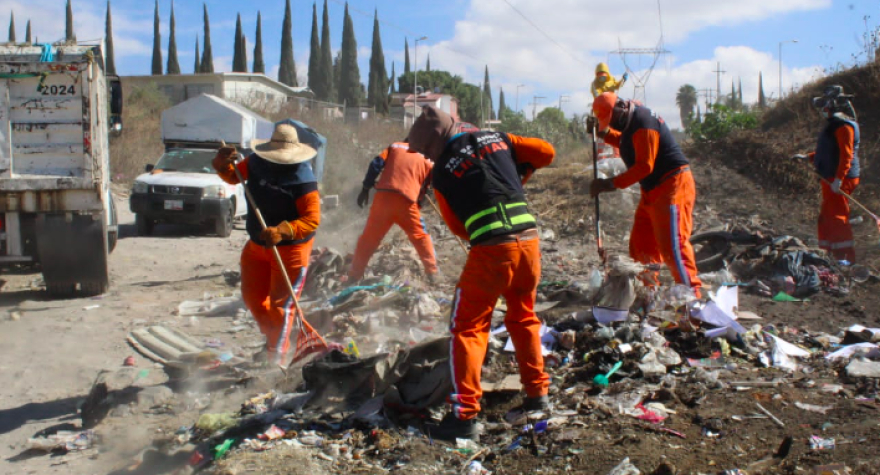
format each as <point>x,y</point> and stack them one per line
<point>56,105</point>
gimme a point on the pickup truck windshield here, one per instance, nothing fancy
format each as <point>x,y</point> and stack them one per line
<point>193,161</point>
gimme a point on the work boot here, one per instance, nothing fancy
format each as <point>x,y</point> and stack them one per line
<point>530,405</point>
<point>435,278</point>
<point>451,428</point>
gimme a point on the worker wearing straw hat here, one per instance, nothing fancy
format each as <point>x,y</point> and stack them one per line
<point>284,188</point>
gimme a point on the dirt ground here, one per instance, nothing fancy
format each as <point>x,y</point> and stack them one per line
<point>52,351</point>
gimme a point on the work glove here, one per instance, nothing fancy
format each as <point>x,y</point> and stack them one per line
<point>835,186</point>
<point>592,123</point>
<point>363,197</point>
<point>799,156</point>
<point>601,185</point>
<point>224,159</point>
<point>625,76</point>
<point>272,235</point>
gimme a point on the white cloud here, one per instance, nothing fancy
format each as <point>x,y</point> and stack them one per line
<point>493,34</point>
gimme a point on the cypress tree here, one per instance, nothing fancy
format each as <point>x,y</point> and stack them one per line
<point>12,27</point>
<point>237,65</point>
<point>109,58</point>
<point>27,32</point>
<point>428,64</point>
<point>762,99</point>
<point>287,67</point>
<point>259,65</point>
<point>157,43</point>
<point>244,52</point>
<point>501,104</point>
<point>406,68</point>
<point>69,34</point>
<point>487,90</point>
<point>392,80</point>
<point>739,93</point>
<point>377,89</point>
<point>315,77</point>
<point>327,69</point>
<point>197,67</point>
<point>207,64</point>
<point>173,66</point>
<point>349,73</point>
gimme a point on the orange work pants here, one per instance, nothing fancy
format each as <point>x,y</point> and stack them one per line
<point>835,232</point>
<point>511,270</point>
<point>392,208</point>
<point>662,228</point>
<point>266,294</point>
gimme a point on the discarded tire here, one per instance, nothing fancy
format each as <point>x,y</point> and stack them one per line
<point>711,250</point>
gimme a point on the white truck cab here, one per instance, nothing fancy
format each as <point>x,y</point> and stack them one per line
<point>182,186</point>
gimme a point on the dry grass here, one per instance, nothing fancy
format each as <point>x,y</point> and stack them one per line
<point>282,460</point>
<point>141,140</point>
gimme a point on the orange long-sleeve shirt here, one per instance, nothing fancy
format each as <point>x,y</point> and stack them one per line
<point>531,152</point>
<point>308,206</point>
<point>845,143</point>
<point>646,143</point>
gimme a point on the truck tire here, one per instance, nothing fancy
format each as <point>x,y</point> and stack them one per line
<point>223,224</point>
<point>144,225</point>
<point>73,253</point>
<point>710,250</point>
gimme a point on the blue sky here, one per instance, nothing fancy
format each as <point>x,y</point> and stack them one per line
<point>465,35</point>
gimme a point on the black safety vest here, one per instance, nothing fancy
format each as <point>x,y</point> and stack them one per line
<point>827,156</point>
<point>669,155</point>
<point>275,189</point>
<point>477,174</point>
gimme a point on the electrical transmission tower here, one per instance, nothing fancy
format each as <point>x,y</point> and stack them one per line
<point>638,57</point>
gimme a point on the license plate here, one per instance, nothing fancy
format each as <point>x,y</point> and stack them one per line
<point>174,205</point>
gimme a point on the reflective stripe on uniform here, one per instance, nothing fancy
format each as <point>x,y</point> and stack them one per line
<point>504,222</point>
<point>676,245</point>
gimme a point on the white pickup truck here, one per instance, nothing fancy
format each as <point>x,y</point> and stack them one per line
<point>56,110</point>
<point>182,187</point>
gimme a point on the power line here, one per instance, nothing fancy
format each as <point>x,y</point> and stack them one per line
<point>549,38</point>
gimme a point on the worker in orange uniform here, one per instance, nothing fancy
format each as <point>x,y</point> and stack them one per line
<point>605,82</point>
<point>401,178</point>
<point>663,221</point>
<point>837,163</point>
<point>478,181</point>
<point>286,192</point>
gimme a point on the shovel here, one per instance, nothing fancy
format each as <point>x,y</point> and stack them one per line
<point>602,379</point>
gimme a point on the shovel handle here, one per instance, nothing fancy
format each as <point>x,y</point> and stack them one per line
<point>598,226</point>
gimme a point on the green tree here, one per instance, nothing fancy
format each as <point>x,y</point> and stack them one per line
<point>406,67</point>
<point>686,100</point>
<point>239,64</point>
<point>173,66</point>
<point>328,70</point>
<point>157,43</point>
<point>287,67</point>
<point>377,89</point>
<point>109,58</point>
<point>487,91</point>
<point>428,63</point>
<point>69,34</point>
<point>739,93</point>
<point>259,65</point>
<point>350,76</point>
<point>207,64</point>
<point>27,32</point>
<point>501,104</point>
<point>12,27</point>
<point>552,126</point>
<point>762,99</point>
<point>468,95</point>
<point>315,77</point>
<point>197,67</point>
<point>719,122</point>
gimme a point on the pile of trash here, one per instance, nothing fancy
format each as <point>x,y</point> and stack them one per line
<point>615,350</point>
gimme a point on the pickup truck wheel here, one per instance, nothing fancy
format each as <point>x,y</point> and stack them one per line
<point>144,225</point>
<point>223,224</point>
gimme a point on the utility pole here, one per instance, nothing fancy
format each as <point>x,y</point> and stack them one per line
<point>780,64</point>
<point>416,78</point>
<point>517,96</point>
<point>562,99</point>
<point>718,72</point>
<point>707,93</point>
<point>535,105</point>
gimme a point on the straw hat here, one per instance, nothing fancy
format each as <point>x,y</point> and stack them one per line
<point>284,148</point>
